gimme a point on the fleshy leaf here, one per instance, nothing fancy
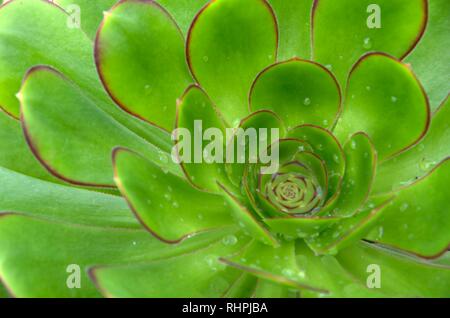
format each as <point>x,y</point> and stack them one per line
<point>243,287</point>
<point>57,115</point>
<point>139,53</point>
<point>247,220</point>
<point>183,11</point>
<point>299,91</point>
<point>361,160</point>
<point>263,119</point>
<point>29,247</point>
<point>159,199</point>
<point>3,291</point>
<point>400,275</point>
<point>268,289</point>
<point>34,197</point>
<point>418,220</point>
<point>197,115</point>
<point>354,30</point>
<point>326,272</point>
<point>380,91</point>
<point>275,264</point>
<point>36,33</point>
<point>90,13</point>
<point>197,274</point>
<point>419,160</point>
<point>294,22</point>
<point>347,231</point>
<point>229,42</point>
<point>15,153</point>
<point>299,226</point>
<point>427,60</point>
<point>328,148</point>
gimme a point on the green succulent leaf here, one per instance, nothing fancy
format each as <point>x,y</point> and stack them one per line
<point>294,23</point>
<point>329,274</point>
<point>268,289</point>
<point>28,23</point>
<point>29,247</point>
<point>36,33</point>
<point>3,291</point>
<point>54,114</point>
<point>155,278</point>
<point>416,162</point>
<point>159,204</point>
<point>142,28</point>
<point>380,91</point>
<point>274,264</point>
<point>229,42</point>
<point>326,146</point>
<point>300,226</point>
<point>299,91</point>
<point>247,220</point>
<point>401,275</point>
<point>416,215</point>
<point>55,202</point>
<point>427,60</point>
<point>263,119</point>
<point>348,230</point>
<point>196,113</point>
<point>183,11</point>
<point>243,287</point>
<point>361,160</point>
<point>354,31</point>
<point>14,152</point>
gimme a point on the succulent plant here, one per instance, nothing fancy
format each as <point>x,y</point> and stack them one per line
<point>87,177</point>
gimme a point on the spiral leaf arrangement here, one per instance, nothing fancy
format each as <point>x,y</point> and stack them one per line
<point>87,177</point>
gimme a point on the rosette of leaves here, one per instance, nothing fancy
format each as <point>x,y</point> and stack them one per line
<point>363,146</point>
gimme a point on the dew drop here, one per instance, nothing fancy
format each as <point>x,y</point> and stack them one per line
<point>229,240</point>
<point>287,272</point>
<point>426,164</point>
<point>368,88</point>
<point>367,43</point>
<point>353,144</point>
<point>206,59</point>
<point>336,158</point>
<point>393,99</point>
<point>307,101</point>
<point>175,204</point>
<point>380,232</point>
<point>404,206</point>
<point>163,157</point>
